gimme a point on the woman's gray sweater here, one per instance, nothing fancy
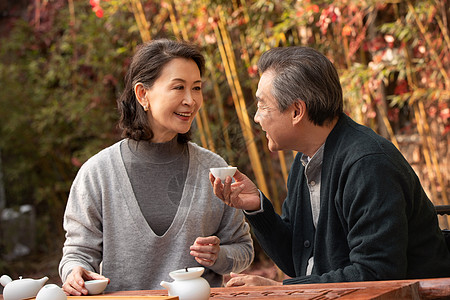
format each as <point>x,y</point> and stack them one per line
<point>103,222</point>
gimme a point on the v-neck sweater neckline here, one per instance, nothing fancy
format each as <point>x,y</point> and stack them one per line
<point>133,206</point>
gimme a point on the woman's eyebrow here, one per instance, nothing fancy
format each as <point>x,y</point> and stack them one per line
<point>184,81</point>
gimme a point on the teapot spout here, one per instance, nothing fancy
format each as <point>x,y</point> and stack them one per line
<point>43,280</point>
<point>166,285</point>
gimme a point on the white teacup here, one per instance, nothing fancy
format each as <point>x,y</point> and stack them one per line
<point>95,287</point>
<point>223,172</point>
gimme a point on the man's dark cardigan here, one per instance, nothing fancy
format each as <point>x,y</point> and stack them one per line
<point>375,222</point>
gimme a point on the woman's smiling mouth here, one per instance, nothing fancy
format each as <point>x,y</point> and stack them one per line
<point>183,115</point>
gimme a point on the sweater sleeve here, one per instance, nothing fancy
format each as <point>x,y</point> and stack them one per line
<point>236,245</point>
<point>372,202</point>
<point>83,226</point>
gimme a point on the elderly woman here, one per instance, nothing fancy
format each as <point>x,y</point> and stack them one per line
<point>144,206</point>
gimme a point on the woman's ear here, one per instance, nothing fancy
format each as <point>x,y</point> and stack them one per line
<point>140,92</point>
<point>299,110</point>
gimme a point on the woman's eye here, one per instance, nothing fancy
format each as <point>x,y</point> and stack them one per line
<point>197,88</point>
<point>179,87</point>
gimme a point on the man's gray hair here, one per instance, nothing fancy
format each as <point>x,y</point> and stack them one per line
<point>302,73</point>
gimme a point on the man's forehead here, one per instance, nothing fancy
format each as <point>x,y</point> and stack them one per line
<point>264,86</point>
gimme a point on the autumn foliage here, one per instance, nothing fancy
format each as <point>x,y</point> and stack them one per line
<point>62,65</point>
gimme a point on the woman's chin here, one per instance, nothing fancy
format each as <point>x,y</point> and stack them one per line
<point>184,131</point>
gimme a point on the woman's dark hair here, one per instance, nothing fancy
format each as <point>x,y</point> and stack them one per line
<point>146,67</point>
<point>302,73</point>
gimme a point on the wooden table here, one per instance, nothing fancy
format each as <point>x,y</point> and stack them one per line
<point>397,289</point>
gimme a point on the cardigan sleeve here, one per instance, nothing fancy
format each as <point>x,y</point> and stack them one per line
<point>274,233</point>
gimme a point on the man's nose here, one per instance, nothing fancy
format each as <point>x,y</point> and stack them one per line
<point>256,117</point>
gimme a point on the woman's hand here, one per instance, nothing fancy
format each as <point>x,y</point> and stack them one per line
<point>74,284</point>
<point>242,194</point>
<point>206,250</point>
<point>250,280</point>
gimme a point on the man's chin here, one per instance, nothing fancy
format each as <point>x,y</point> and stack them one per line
<point>272,147</point>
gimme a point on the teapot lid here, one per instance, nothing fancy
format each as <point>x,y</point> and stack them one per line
<point>187,273</point>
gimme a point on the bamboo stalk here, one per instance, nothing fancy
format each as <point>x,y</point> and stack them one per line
<point>382,110</point>
<point>282,161</point>
<point>283,166</point>
<point>228,75</point>
<point>173,21</point>
<point>180,20</point>
<point>273,183</point>
<point>266,156</point>
<point>433,155</point>
<point>144,23</point>
<point>283,38</point>
<point>444,31</point>
<point>426,152</point>
<point>248,134</point>
<point>199,122</point>
<point>253,154</point>
<point>72,13</point>
<point>430,45</point>
<point>141,21</point>
<point>207,130</point>
<point>388,127</point>
<point>419,114</point>
<point>346,52</point>
<point>220,109</point>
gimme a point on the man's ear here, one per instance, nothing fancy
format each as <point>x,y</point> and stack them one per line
<point>299,111</point>
<point>140,92</point>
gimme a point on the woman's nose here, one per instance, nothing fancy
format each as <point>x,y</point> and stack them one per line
<point>188,99</point>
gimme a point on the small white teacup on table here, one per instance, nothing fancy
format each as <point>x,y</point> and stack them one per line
<point>223,172</point>
<point>96,287</point>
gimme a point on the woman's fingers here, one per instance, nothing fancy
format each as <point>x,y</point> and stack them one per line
<point>206,250</point>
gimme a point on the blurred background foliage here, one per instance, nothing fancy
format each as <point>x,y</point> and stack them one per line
<point>62,64</point>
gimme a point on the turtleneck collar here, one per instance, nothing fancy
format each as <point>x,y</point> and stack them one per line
<point>162,153</point>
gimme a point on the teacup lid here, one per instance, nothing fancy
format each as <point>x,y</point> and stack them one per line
<point>187,273</point>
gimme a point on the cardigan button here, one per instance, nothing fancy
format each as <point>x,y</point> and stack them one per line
<point>307,244</point>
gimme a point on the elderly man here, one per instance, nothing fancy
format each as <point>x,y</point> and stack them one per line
<point>355,210</point>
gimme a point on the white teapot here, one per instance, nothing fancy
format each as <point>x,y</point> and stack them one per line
<point>188,284</point>
<point>21,288</point>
